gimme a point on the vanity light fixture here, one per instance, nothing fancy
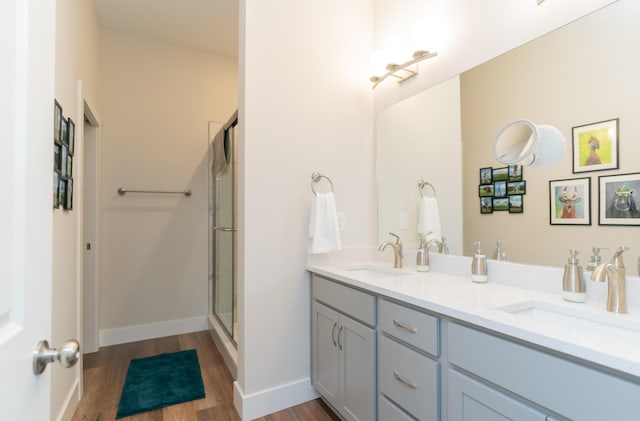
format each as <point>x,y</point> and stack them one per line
<point>403,71</point>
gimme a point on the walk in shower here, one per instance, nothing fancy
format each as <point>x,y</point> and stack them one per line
<point>223,229</point>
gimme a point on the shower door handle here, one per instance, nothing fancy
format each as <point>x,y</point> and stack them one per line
<point>225,229</point>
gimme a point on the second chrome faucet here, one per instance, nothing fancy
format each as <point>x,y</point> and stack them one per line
<point>397,250</point>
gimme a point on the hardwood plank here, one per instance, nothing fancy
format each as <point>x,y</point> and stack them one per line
<point>105,372</point>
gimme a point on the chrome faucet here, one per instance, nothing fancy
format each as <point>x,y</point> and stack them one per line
<point>438,243</point>
<point>397,250</point>
<point>614,272</point>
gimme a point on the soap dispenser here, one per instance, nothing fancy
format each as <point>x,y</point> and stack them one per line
<point>573,286</point>
<point>595,259</point>
<point>499,254</point>
<point>422,256</point>
<point>479,265</point>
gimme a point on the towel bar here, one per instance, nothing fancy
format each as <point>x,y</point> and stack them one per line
<point>422,184</point>
<point>315,178</point>
<point>122,191</point>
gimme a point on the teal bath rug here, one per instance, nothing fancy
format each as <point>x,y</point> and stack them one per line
<point>159,381</point>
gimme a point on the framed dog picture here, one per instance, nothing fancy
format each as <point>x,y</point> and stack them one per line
<point>595,146</point>
<point>570,201</point>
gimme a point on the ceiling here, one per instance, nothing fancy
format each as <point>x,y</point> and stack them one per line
<point>208,25</point>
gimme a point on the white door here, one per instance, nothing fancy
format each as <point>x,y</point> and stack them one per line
<point>27,37</point>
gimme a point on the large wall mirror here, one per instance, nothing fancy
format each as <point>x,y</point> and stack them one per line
<point>582,73</point>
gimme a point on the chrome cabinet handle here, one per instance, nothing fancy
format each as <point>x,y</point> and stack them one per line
<point>339,332</point>
<point>405,327</point>
<point>333,333</point>
<point>407,383</point>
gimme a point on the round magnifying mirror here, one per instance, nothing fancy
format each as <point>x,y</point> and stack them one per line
<point>526,143</point>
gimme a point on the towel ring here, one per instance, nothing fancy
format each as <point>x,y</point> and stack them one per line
<point>422,184</point>
<point>315,178</point>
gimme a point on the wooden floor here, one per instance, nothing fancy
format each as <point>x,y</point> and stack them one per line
<point>105,371</point>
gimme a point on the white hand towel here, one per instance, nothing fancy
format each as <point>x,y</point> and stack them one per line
<point>323,224</point>
<point>429,218</point>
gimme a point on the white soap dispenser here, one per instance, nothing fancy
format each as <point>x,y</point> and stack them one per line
<point>479,265</point>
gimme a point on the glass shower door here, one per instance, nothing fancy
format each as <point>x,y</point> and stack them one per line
<point>223,241</point>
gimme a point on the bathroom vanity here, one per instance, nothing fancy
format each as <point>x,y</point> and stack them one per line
<point>402,345</point>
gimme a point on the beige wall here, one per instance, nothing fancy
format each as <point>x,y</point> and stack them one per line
<point>582,73</point>
<point>76,60</point>
<point>156,101</point>
<point>305,106</point>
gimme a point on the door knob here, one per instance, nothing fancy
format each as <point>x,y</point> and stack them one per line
<point>67,356</point>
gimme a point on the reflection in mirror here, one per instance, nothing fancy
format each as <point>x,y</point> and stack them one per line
<point>524,142</point>
<point>580,88</point>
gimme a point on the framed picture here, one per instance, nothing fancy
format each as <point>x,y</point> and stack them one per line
<point>617,202</point>
<point>64,153</point>
<point>570,201</point>
<point>595,146</point>
<point>499,188</point>
<point>486,205</point>
<point>500,204</point>
<point>69,164</point>
<point>515,204</point>
<point>500,174</point>
<point>56,157</point>
<point>516,187</point>
<point>486,175</point>
<point>514,172</point>
<point>64,132</point>
<point>485,191</point>
<point>57,122</point>
<point>62,191</point>
<point>56,184</point>
<point>68,197</point>
<point>71,134</point>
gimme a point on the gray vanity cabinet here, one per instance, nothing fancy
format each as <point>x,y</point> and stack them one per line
<point>343,345</point>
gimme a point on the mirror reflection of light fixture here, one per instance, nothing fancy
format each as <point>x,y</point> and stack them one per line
<point>403,71</point>
<point>526,143</point>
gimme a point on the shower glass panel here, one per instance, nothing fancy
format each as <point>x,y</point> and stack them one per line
<point>222,240</point>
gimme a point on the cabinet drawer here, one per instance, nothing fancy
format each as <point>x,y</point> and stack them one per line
<point>356,304</point>
<point>411,326</point>
<point>550,381</point>
<point>408,378</point>
<point>387,411</point>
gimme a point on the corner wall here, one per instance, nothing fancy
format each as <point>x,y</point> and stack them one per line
<point>156,101</point>
<point>305,106</point>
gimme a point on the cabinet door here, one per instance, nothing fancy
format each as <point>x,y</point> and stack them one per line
<point>470,400</point>
<point>325,355</point>
<point>357,347</point>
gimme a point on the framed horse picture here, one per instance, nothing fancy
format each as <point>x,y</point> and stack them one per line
<point>570,201</point>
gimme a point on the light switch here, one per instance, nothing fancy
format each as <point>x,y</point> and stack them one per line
<point>404,218</point>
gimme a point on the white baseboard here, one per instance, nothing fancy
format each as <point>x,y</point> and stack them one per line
<point>153,330</point>
<point>70,404</point>
<point>272,400</point>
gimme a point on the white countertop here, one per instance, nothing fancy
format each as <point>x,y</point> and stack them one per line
<point>459,298</point>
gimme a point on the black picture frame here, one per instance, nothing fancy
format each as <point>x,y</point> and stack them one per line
<point>500,188</point>
<point>486,175</point>
<point>516,188</point>
<point>69,166</point>
<point>500,204</point>
<point>64,153</point>
<point>62,191</point>
<point>486,205</point>
<point>64,132</point>
<point>516,203</point>
<point>514,172</point>
<point>71,135</point>
<point>68,196</point>
<point>57,122</point>
<point>596,146</point>
<point>500,174</point>
<point>56,187</point>
<point>56,157</point>
<point>485,190</point>
<point>616,202</point>
<point>570,201</point>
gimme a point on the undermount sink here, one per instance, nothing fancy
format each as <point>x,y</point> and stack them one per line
<point>375,271</point>
<point>605,325</point>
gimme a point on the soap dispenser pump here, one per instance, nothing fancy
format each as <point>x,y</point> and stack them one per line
<point>574,288</point>
<point>499,254</point>
<point>595,259</point>
<point>422,256</point>
<point>479,265</point>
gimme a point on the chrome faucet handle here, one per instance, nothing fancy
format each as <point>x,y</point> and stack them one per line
<point>616,259</point>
